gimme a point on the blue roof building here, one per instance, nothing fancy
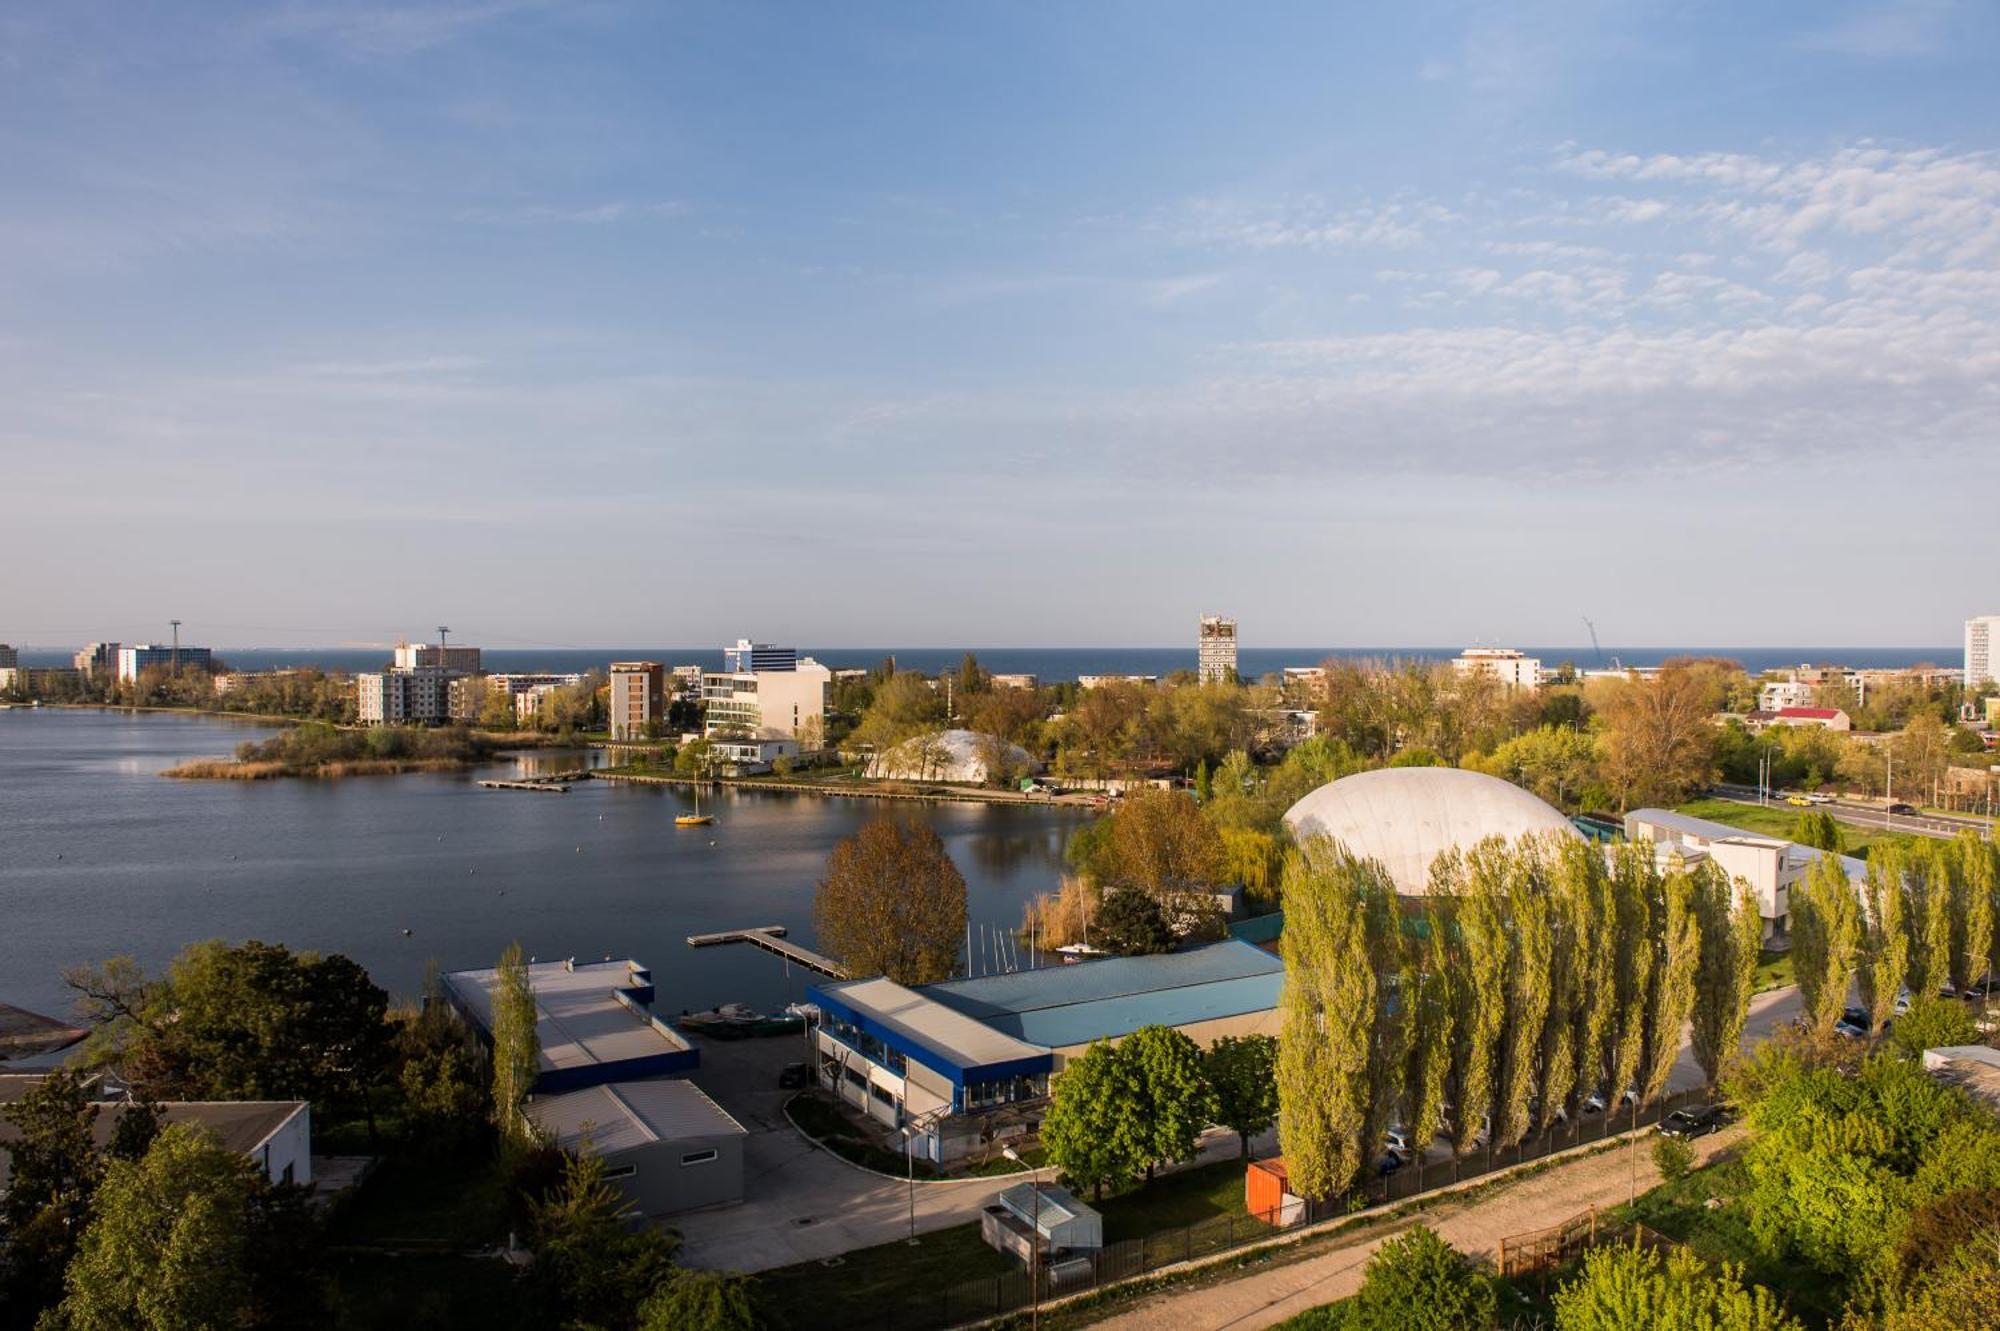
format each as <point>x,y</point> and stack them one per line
<point>966,1063</point>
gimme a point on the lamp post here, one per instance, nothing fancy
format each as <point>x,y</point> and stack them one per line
<point>1034,1243</point>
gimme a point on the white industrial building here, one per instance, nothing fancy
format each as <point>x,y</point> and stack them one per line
<point>274,1135</point>
<point>664,1143</point>
<point>1768,866</point>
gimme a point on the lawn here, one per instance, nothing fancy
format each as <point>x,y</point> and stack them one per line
<point>861,1287</point>
<point>1781,820</point>
<point>377,1290</point>
<point>1774,970</point>
<point>1174,1201</point>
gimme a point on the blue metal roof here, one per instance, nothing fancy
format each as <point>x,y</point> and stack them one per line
<point>1071,1005</point>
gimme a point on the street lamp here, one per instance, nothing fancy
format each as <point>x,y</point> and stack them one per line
<point>1034,1243</point>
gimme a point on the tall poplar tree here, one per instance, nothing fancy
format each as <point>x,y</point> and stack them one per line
<point>1826,935</point>
<point>516,1045</point>
<point>1478,991</point>
<point>1532,950</point>
<point>1568,870</point>
<point>1677,959</point>
<point>1927,917</point>
<point>1633,876</point>
<point>1884,954</point>
<point>1326,1039</point>
<point>1973,879</point>
<point>1730,930</point>
<point>1390,1020</point>
<point>1427,988</point>
<point>1595,956</point>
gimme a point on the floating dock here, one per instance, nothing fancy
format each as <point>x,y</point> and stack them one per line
<point>551,787</point>
<point>771,937</point>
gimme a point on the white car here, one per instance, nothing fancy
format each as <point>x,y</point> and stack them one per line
<point>1817,798</point>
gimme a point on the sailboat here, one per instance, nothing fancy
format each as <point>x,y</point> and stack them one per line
<point>697,818</point>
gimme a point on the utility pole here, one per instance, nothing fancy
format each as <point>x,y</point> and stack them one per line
<point>177,647</point>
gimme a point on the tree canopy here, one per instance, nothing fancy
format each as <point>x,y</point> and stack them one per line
<point>892,903</point>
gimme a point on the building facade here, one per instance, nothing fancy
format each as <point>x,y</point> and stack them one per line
<point>638,698</point>
<point>135,660</point>
<point>748,657</point>
<point>1982,635</point>
<point>427,697</point>
<point>1215,658</point>
<point>99,658</point>
<point>436,656</point>
<point>1517,670</point>
<point>769,704</point>
<point>664,1143</point>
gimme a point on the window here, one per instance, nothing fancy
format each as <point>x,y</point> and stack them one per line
<point>621,1171</point>
<point>697,1158</point>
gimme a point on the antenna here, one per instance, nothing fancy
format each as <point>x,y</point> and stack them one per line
<point>177,647</point>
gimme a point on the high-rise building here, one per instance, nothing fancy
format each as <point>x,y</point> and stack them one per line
<point>748,657</point>
<point>637,697</point>
<point>424,697</point>
<point>436,656</point>
<point>100,658</point>
<point>135,660</point>
<point>1217,653</point>
<point>9,657</point>
<point>1982,635</point>
<point>1515,669</point>
<point>789,703</point>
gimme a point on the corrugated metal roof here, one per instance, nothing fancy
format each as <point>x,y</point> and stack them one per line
<point>620,1115</point>
<point>579,1020</point>
<point>917,1016</point>
<point>1070,1005</point>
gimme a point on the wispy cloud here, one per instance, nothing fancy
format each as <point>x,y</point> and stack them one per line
<point>591,214</point>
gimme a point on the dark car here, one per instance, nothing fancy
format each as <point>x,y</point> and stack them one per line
<point>1902,808</point>
<point>1388,1164</point>
<point>794,1076</point>
<point>1688,1124</point>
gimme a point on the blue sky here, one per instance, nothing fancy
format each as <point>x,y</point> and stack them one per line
<point>999,324</point>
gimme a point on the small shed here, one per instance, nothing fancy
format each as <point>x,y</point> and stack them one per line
<point>1267,1193</point>
<point>665,1144</point>
<point>1062,1222</point>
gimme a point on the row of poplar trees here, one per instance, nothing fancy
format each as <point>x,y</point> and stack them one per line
<point>1532,975</point>
<point>1923,920</point>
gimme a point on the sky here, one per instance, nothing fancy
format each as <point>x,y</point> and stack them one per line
<point>999,324</point>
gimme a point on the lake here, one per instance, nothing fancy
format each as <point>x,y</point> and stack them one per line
<point>101,856</point>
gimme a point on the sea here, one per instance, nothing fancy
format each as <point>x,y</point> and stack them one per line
<point>101,856</point>
<point>1056,664</point>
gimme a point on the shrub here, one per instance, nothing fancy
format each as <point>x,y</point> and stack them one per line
<point>1673,1157</point>
<point>1418,1282</point>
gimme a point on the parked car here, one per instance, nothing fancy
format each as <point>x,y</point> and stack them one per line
<point>1818,798</point>
<point>1388,1164</point>
<point>1688,1124</point>
<point>1594,1102</point>
<point>1902,808</point>
<point>1902,1008</point>
<point>794,1076</point>
<point>1397,1142</point>
<point>1986,987</point>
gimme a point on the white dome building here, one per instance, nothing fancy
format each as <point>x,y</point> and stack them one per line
<point>1405,817</point>
<point>962,757</point>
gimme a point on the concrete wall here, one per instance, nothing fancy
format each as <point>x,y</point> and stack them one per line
<point>666,1177</point>
<point>290,1148</point>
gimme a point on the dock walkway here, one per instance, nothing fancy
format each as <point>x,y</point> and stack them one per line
<point>771,937</point>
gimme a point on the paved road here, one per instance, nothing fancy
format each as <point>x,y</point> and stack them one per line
<point>1870,816</point>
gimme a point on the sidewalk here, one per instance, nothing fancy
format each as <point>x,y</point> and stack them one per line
<point>1270,1295</point>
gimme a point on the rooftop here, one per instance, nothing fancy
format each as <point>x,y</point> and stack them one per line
<point>240,1125</point>
<point>588,1013</point>
<point>1068,1005</point>
<point>916,1016</point>
<point>618,1116</point>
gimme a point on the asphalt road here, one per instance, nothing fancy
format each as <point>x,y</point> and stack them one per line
<point>1865,815</point>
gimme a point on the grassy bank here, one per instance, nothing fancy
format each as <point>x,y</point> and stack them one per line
<point>1782,821</point>
<point>315,749</point>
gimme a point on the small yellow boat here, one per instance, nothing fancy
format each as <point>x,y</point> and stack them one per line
<point>697,818</point>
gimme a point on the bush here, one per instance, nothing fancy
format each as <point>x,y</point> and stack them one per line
<point>1673,1157</point>
<point>1418,1282</point>
<point>1933,1023</point>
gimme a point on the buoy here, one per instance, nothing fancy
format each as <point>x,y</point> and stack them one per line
<point>579,850</point>
<point>406,933</point>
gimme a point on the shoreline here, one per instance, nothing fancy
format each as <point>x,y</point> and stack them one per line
<point>929,795</point>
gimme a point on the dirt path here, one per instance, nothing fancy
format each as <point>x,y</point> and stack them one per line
<point>1268,1296</point>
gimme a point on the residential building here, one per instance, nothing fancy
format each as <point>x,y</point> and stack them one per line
<point>638,698</point>
<point>664,1143</point>
<point>1283,727</point>
<point>1015,682</point>
<point>1982,636</point>
<point>99,658</point>
<point>751,757</point>
<point>425,697</point>
<point>1828,718</point>
<point>1780,694</point>
<point>141,657</point>
<point>436,656</point>
<point>36,679</point>
<point>769,704</point>
<point>594,1021</point>
<point>10,657</point>
<point>530,691</point>
<point>274,1135</point>
<point>688,677</point>
<point>969,1061</point>
<point>1515,669</point>
<point>1768,867</point>
<point>1215,657</point>
<point>1101,681</point>
<point>749,658</point>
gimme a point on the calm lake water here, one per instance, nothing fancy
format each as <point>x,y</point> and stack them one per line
<point>101,856</point>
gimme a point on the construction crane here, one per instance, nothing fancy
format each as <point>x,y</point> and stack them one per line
<point>1595,646</point>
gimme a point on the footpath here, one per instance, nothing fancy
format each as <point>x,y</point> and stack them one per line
<point>1270,1294</point>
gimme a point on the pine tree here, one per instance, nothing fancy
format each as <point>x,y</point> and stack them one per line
<point>1826,935</point>
<point>1324,1049</point>
<point>1884,954</point>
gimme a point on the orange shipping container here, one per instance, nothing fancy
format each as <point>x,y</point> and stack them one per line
<point>1265,1184</point>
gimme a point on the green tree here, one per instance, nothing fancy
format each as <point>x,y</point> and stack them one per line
<point>1726,975</point>
<point>517,1048</point>
<point>1243,1071</point>
<point>703,1301</point>
<point>1328,1004</point>
<point>696,758</point>
<point>1933,1023</point>
<point>1130,923</point>
<point>168,1247</point>
<point>1091,1132</point>
<point>1516,874</point>
<point>1676,941</point>
<point>1477,985</point>
<point>1159,842</point>
<point>1621,1288</point>
<point>1884,955</point>
<point>1826,935</point>
<point>1927,915</point>
<point>892,903</point>
<point>1175,1101</point>
<point>1427,983</point>
<point>1974,880</point>
<point>1820,830</point>
<point>1673,1157</point>
<point>54,1171</point>
<point>1634,875</point>
<point>597,1265</point>
<point>1418,1282</point>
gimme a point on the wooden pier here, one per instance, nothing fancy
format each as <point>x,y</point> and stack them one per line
<point>550,787</point>
<point>771,937</point>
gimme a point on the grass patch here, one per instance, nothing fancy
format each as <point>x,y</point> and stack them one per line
<point>820,1119</point>
<point>1679,1210</point>
<point>868,1285</point>
<point>1174,1201</point>
<point>1000,1165</point>
<point>1781,821</point>
<point>373,1290</point>
<point>1774,970</point>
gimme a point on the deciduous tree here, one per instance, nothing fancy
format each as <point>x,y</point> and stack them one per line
<point>1826,935</point>
<point>1730,930</point>
<point>1243,1070</point>
<point>1623,1287</point>
<point>516,1043</point>
<point>1091,1133</point>
<point>1329,995</point>
<point>1418,1282</point>
<point>1883,958</point>
<point>892,903</point>
<point>1175,1102</point>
